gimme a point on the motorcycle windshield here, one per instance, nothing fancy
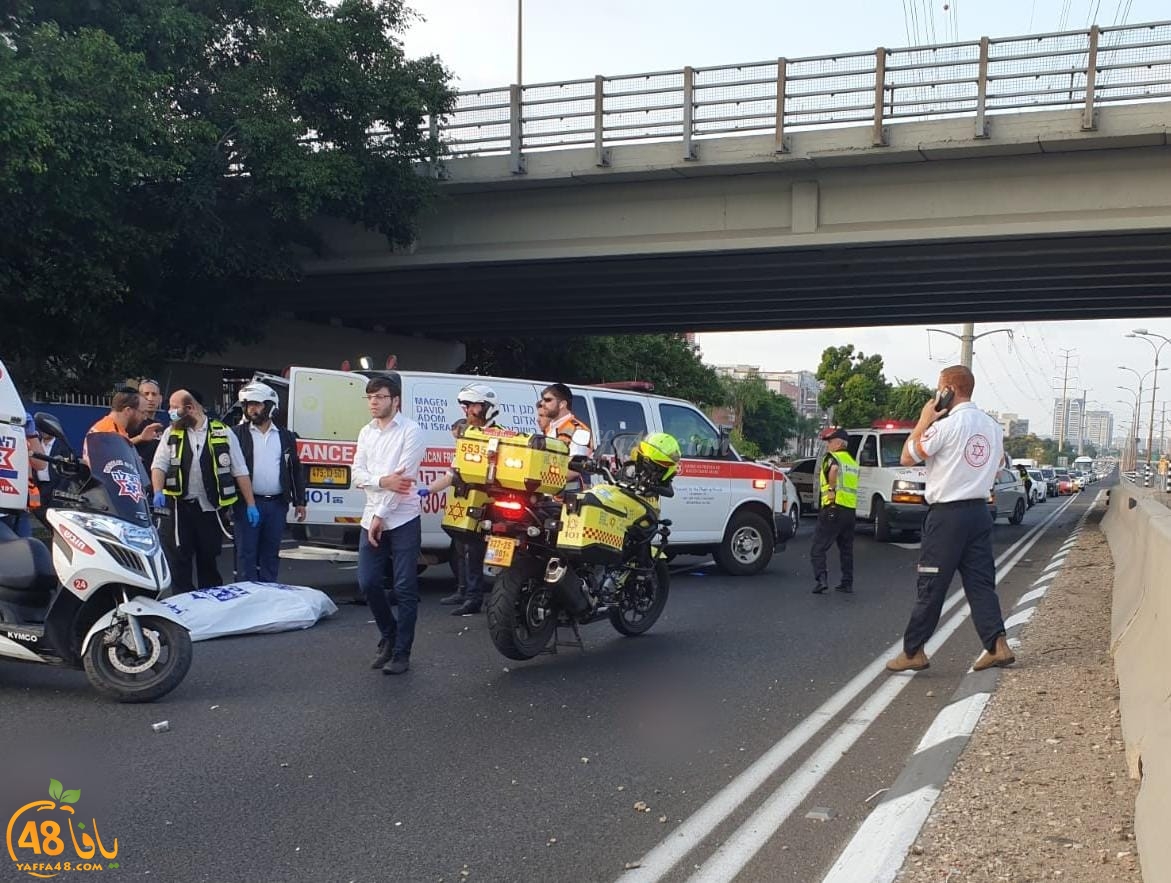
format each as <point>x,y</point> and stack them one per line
<point>120,486</point>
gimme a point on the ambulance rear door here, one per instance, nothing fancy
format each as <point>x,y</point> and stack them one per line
<point>326,410</point>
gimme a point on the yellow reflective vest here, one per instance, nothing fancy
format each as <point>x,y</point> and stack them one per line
<point>846,493</point>
<point>215,463</point>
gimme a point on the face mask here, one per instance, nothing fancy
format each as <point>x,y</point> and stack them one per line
<point>174,414</point>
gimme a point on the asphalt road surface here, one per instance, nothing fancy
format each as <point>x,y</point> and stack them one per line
<point>287,758</point>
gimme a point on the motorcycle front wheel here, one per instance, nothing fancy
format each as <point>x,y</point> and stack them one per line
<point>644,602</point>
<point>115,670</point>
<point>521,618</point>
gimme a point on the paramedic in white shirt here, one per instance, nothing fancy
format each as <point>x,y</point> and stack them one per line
<point>962,454</point>
<point>386,461</point>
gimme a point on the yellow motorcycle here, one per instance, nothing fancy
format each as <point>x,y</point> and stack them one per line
<point>595,554</point>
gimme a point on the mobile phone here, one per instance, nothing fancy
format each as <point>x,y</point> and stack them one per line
<point>943,398</point>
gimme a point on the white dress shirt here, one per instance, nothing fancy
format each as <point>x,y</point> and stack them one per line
<point>266,460</point>
<point>383,451</point>
<point>964,451</point>
<point>197,438</point>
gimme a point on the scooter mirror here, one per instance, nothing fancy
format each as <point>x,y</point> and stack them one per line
<point>49,425</point>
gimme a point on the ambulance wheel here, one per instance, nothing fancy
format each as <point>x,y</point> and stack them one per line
<point>747,546</point>
<point>641,605</point>
<point>521,616</point>
<point>881,521</point>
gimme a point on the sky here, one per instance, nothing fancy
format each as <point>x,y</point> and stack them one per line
<point>476,39</point>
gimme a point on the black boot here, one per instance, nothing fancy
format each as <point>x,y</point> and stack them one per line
<point>457,597</point>
<point>467,608</point>
<point>820,587</point>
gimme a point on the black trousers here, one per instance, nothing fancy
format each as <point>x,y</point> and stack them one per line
<point>956,536</point>
<point>195,538</point>
<point>835,524</point>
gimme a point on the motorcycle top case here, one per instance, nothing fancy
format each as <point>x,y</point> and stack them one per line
<point>594,524</point>
<point>464,512</point>
<point>531,463</point>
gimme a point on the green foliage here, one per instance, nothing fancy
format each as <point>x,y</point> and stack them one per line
<point>854,386</point>
<point>1042,450</point>
<point>667,360</point>
<point>771,422</point>
<point>906,399</point>
<point>161,162</point>
<point>745,447</point>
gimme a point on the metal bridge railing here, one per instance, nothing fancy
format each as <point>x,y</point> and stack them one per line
<point>1079,69</point>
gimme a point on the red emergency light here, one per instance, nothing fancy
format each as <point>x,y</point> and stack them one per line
<point>892,424</point>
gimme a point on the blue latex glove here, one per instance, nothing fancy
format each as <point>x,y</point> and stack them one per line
<point>253,516</point>
<point>424,492</point>
<point>160,500</point>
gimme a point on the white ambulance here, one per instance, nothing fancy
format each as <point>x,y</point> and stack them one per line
<point>736,510</point>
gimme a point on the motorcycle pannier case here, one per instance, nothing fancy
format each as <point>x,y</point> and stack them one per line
<point>463,513</point>
<point>531,463</point>
<point>591,531</point>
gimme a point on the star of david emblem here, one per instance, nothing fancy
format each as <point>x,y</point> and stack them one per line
<point>129,485</point>
<point>977,451</point>
<point>455,510</point>
<point>6,455</point>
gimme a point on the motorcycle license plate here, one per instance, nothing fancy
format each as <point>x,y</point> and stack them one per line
<point>499,552</point>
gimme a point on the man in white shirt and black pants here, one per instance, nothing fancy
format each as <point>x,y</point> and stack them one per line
<point>962,454</point>
<point>277,481</point>
<point>386,461</point>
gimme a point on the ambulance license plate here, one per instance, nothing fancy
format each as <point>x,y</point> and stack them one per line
<point>329,476</point>
<point>499,552</point>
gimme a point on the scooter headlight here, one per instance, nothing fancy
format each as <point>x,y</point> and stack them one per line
<point>142,538</point>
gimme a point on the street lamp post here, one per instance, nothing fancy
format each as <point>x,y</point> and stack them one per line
<point>1139,399</point>
<point>1143,334</point>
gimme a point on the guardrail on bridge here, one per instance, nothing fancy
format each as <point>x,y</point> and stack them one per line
<point>1080,69</point>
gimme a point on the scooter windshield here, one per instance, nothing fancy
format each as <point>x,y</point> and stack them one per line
<point>120,486</point>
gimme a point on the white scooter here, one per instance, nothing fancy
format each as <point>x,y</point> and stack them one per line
<point>92,603</point>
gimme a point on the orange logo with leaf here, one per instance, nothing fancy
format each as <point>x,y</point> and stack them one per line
<point>37,844</point>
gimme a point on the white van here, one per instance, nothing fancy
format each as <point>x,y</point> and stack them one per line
<point>889,494</point>
<point>737,510</point>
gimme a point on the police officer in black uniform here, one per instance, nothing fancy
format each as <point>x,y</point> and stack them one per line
<point>963,454</point>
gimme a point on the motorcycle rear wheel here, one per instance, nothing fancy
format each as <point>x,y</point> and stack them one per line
<point>521,618</point>
<point>114,671</point>
<point>648,606</point>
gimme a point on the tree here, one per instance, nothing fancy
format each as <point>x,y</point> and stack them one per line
<point>771,422</point>
<point>853,386</point>
<point>667,360</point>
<point>906,399</point>
<point>1042,450</point>
<point>161,162</point>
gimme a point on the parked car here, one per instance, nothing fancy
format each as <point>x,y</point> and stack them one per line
<point>1050,476</point>
<point>803,476</point>
<point>1008,497</point>
<point>1040,486</point>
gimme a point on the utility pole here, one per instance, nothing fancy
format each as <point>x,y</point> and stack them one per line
<point>1081,434</point>
<point>967,337</point>
<point>519,40</point>
<point>1064,429</point>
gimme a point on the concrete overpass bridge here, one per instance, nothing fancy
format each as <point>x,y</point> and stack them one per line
<point>1022,178</point>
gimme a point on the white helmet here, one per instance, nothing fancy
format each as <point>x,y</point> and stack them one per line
<point>480,394</point>
<point>259,392</point>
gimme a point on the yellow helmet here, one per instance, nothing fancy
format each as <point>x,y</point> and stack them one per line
<point>658,455</point>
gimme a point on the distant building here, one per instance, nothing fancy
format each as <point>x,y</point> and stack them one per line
<point>1014,425</point>
<point>1067,420</point>
<point>801,387</point>
<point>1100,429</point>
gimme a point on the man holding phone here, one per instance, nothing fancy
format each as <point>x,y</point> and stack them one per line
<point>962,455</point>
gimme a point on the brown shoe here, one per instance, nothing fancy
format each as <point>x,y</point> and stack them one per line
<point>1001,656</point>
<point>903,662</point>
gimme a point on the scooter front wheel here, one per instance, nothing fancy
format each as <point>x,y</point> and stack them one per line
<point>114,669</point>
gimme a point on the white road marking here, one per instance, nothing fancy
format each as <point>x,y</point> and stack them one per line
<point>691,833</point>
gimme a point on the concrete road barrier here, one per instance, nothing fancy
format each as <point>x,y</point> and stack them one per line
<point>1138,528</point>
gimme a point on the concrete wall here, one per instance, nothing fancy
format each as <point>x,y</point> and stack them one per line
<point>1138,527</point>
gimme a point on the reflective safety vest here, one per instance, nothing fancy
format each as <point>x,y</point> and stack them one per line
<point>846,493</point>
<point>215,463</point>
